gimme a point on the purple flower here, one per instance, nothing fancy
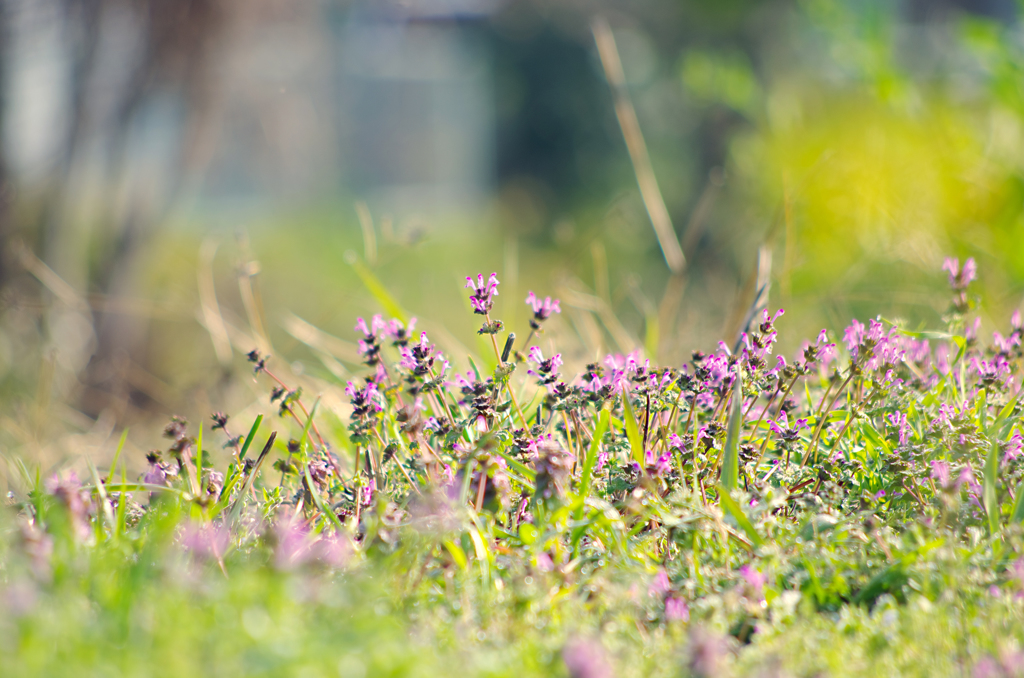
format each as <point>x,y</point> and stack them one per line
<point>960,278</point>
<point>19,598</point>
<point>873,348</point>
<point>940,472</point>
<point>1018,573</point>
<point>754,579</point>
<point>899,421</point>
<point>68,491</point>
<point>781,427</point>
<point>407,360</point>
<point>971,329</point>
<point>780,365</point>
<point>366,495</point>
<point>483,294</point>
<point>547,369</point>
<point>853,335</point>
<point>376,327</point>
<point>292,544</point>
<point>369,346</point>
<point>967,478</point>
<point>707,653</point>
<point>366,401</point>
<point>676,609</point>
<point>586,659</point>
<point>703,433</point>
<point>992,373</point>
<point>542,310</point>
<point>399,334</point>
<point>1006,344</point>
<point>1014,447</point>
<point>296,546</point>
<point>660,585</point>
<point>419,358</point>
<point>38,546</point>
<point>155,475</point>
<point>205,541</point>
<point>1009,665</point>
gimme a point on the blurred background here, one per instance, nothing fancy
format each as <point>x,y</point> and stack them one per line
<point>182,181</point>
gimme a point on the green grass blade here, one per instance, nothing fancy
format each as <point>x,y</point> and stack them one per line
<point>117,452</point>
<point>305,429</point>
<point>652,331</point>
<point>379,292</point>
<point>636,443</point>
<point>108,513</point>
<point>458,555</point>
<point>248,438</point>
<point>199,459</point>
<point>990,489</point>
<point>591,458</point>
<point>122,504</point>
<point>1018,506</point>
<point>237,508</point>
<point>318,500</point>
<point>734,510</point>
<point>731,458</point>
<point>519,466</point>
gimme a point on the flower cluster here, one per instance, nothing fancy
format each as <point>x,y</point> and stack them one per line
<point>482,298</point>
<point>783,429</point>
<point>419,360</point>
<point>547,368</point>
<point>369,345</point>
<point>959,279</point>
<point>873,348</point>
<point>366,401</point>
<point>542,309</point>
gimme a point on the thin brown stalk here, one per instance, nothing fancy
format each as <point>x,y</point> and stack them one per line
<point>508,384</point>
<point>813,447</point>
<point>638,155</point>
<point>767,437</point>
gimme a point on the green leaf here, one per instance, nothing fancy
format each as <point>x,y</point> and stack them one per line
<point>237,508</point>
<point>989,491</point>
<point>528,533</point>
<point>248,438</point>
<point>651,333</point>
<point>379,292</point>
<point>590,459</point>
<point>731,458</point>
<point>458,555</point>
<point>872,435</point>
<point>305,429</point>
<point>125,486</point>
<point>736,512</point>
<point>324,509</point>
<point>108,512</point>
<point>117,453</point>
<point>476,370</point>
<point>1018,505</point>
<point>122,505</point>
<point>636,443</point>
<point>518,466</point>
<point>962,345</point>
<point>199,459</point>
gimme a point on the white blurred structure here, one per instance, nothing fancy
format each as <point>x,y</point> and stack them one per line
<point>384,100</point>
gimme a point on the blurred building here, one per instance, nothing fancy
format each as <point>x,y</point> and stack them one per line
<point>388,100</point>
